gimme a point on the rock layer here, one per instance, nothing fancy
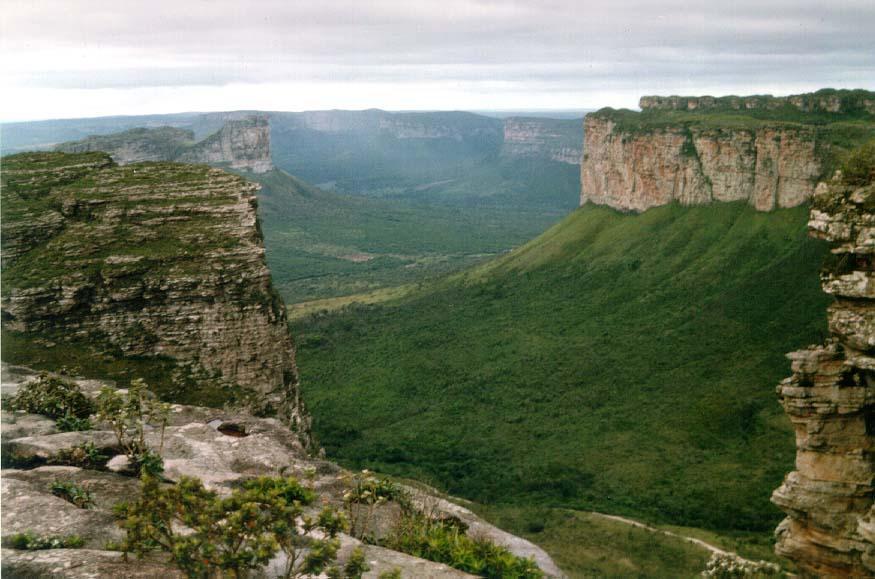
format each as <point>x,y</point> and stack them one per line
<point>633,171</point>
<point>148,260</point>
<point>828,101</point>
<point>554,139</point>
<point>830,399</point>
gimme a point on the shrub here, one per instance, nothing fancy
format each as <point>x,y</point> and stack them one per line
<point>85,455</point>
<point>729,566</point>
<point>231,534</point>
<point>859,167</point>
<point>69,423</point>
<point>355,567</point>
<point>128,414</point>
<point>365,492</point>
<point>445,541</point>
<point>73,493</point>
<point>393,574</point>
<point>30,542</point>
<point>52,397</point>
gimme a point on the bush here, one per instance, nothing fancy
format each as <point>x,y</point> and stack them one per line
<point>128,414</point>
<point>365,492</point>
<point>52,397</point>
<point>69,423</point>
<point>85,455</point>
<point>729,566</point>
<point>859,167</point>
<point>445,541</point>
<point>73,493</point>
<point>31,542</point>
<point>232,534</point>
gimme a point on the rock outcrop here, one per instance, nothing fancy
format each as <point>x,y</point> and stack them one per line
<point>825,101</point>
<point>555,139</point>
<point>150,261</point>
<point>633,171</point>
<point>241,143</point>
<point>197,443</point>
<point>830,399</point>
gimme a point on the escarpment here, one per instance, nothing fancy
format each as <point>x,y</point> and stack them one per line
<point>830,399</point>
<point>768,152</point>
<point>242,143</point>
<point>555,139</point>
<point>156,266</point>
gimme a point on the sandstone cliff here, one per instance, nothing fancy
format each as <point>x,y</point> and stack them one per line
<point>830,399</point>
<point>240,143</point>
<point>768,167</point>
<point>150,261</point>
<point>826,101</point>
<point>555,139</point>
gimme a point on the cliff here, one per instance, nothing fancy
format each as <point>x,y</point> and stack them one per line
<point>676,152</point>
<point>559,140</point>
<point>154,267</point>
<point>240,143</point>
<point>830,399</point>
<point>823,101</point>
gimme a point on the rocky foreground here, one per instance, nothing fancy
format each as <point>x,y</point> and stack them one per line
<point>830,399</point>
<point>220,448</point>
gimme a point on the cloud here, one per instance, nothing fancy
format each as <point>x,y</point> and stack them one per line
<point>538,47</point>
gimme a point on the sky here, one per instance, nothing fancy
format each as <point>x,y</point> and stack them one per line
<point>85,58</point>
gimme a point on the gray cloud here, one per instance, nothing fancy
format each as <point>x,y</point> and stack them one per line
<point>567,45</point>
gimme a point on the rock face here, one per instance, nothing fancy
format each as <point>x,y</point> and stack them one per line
<point>830,399</point>
<point>692,165</point>
<point>154,261</point>
<point>554,139</point>
<point>827,100</point>
<point>240,144</point>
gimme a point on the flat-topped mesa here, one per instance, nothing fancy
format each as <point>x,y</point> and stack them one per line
<point>824,101</point>
<point>147,262</point>
<point>830,399</point>
<point>699,150</point>
<point>242,143</point>
<point>559,140</point>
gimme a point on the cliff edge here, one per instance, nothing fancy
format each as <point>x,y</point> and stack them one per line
<point>830,399</point>
<point>770,153</point>
<point>150,268</point>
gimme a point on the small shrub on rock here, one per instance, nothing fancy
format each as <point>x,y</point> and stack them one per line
<point>364,494</point>
<point>85,455</point>
<point>32,542</point>
<point>859,167</point>
<point>70,423</point>
<point>73,493</point>
<point>228,535</point>
<point>52,397</point>
<point>729,566</point>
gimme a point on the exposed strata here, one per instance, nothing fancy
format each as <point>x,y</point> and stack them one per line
<point>830,399</point>
<point>632,171</point>
<point>557,140</point>
<point>149,260</point>
<point>827,101</point>
<point>241,143</point>
<point>194,445</point>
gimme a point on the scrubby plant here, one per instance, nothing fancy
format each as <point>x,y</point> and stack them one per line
<point>366,492</point>
<point>53,397</point>
<point>859,166</point>
<point>73,493</point>
<point>730,566</point>
<point>31,542</point>
<point>70,423</point>
<point>85,455</point>
<point>355,567</point>
<point>445,541</point>
<point>128,414</point>
<point>229,535</point>
<point>393,574</point>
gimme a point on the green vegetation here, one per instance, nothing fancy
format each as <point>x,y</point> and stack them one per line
<point>72,424</point>
<point>128,415</point>
<point>619,363</point>
<point>232,534</point>
<point>85,455</point>
<point>55,398</point>
<point>859,167</point>
<point>73,493</point>
<point>32,542</point>
<point>322,244</point>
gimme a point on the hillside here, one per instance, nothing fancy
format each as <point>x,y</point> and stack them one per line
<point>622,363</point>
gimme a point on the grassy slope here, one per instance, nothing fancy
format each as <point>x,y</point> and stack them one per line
<point>621,363</point>
<point>314,237</point>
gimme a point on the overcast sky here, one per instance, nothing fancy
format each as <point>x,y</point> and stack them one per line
<point>76,58</point>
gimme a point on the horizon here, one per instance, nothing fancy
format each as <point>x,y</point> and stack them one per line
<point>92,58</point>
